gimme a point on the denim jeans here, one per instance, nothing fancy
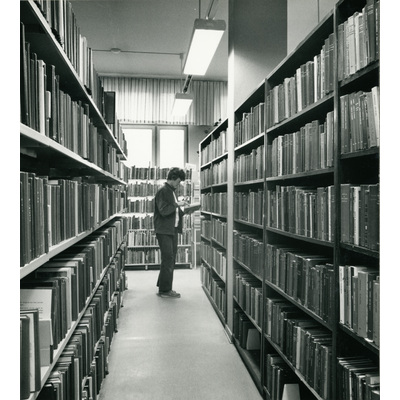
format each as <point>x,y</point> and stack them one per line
<point>168,247</point>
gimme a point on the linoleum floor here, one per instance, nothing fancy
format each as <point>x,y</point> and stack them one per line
<point>173,349</point>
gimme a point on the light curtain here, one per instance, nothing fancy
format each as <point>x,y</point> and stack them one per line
<point>150,100</point>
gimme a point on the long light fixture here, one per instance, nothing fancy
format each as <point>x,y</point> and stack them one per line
<point>182,103</point>
<point>207,34</point>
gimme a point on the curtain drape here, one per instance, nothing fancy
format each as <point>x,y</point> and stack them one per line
<point>150,100</point>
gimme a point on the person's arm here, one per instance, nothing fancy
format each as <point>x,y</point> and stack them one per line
<point>166,204</point>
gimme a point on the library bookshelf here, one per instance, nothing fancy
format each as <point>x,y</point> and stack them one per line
<point>305,231</point>
<point>213,217</point>
<point>73,195</point>
<point>143,251</point>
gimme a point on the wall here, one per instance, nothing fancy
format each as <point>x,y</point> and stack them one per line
<point>302,17</point>
<point>257,43</point>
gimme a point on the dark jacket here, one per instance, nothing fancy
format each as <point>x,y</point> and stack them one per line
<point>164,211</point>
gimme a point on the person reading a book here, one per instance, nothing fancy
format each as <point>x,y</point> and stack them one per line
<point>168,223</point>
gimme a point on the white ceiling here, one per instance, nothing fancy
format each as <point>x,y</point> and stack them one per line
<point>147,27</point>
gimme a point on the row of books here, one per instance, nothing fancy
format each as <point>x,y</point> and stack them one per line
<point>312,81</point>
<point>148,237</point>
<point>217,174</point>
<point>305,277</point>
<point>153,256</point>
<point>250,126</point>
<point>358,40</point>
<point>248,249</point>
<point>215,258</point>
<point>220,231</point>
<point>306,345</point>
<point>63,24</point>
<point>278,375</point>
<point>248,206</point>
<point>246,335</point>
<point>154,173</point>
<point>309,149</point>
<point>217,147</point>
<point>143,205</point>
<point>304,211</point>
<point>150,188</point>
<point>117,131</point>
<point>83,364</point>
<point>53,210</point>
<point>248,167</point>
<point>141,189</point>
<point>141,221</point>
<point>248,293</point>
<point>359,378</point>
<point>50,111</point>
<point>214,202</point>
<point>59,290</point>
<point>206,227</point>
<point>215,288</point>
<point>359,299</point>
<point>360,215</point>
<point>359,120</point>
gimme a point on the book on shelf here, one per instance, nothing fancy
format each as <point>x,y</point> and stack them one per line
<point>359,114</point>
<point>358,40</point>
<point>376,311</point>
<point>32,344</point>
<point>360,215</point>
<point>24,356</point>
<point>365,302</point>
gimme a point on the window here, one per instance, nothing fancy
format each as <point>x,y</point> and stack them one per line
<point>171,147</point>
<point>156,145</point>
<point>140,146</point>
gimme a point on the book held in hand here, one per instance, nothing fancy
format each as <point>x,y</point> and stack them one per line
<point>191,208</point>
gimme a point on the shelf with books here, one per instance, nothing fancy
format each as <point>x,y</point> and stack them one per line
<point>299,175</point>
<point>306,310</point>
<point>300,378</point>
<point>370,345</point>
<point>246,338</point>
<point>358,184</point>
<point>302,202</point>
<point>76,74</point>
<point>213,197</point>
<point>36,145</point>
<point>242,222</point>
<point>143,249</point>
<point>72,183</point>
<point>367,74</point>
<point>247,229</point>
<point>107,270</point>
<point>360,250</point>
<point>214,288</point>
<point>58,248</point>
<point>368,153</point>
<point>304,239</point>
<point>312,111</point>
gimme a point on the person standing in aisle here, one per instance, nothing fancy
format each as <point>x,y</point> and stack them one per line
<point>168,223</point>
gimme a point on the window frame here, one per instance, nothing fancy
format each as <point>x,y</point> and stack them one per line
<point>156,128</point>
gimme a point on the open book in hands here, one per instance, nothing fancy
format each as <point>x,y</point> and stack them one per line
<point>189,208</point>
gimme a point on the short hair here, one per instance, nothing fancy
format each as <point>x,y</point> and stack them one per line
<point>175,173</point>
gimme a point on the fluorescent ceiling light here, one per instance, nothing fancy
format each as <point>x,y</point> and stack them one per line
<point>182,103</point>
<point>207,34</point>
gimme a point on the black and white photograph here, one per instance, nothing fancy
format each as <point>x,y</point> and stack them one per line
<point>207,199</point>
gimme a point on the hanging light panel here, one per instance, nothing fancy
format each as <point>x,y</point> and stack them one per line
<point>206,36</point>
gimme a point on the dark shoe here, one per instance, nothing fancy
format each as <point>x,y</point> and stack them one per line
<point>171,294</point>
